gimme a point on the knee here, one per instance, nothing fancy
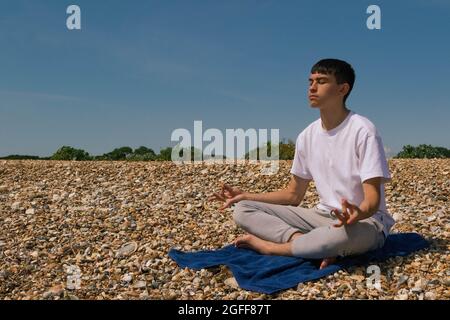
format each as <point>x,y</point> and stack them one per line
<point>352,240</point>
<point>342,243</point>
<point>240,213</point>
<point>238,218</point>
<point>324,243</point>
<point>244,203</point>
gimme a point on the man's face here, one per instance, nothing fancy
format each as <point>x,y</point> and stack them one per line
<point>324,90</point>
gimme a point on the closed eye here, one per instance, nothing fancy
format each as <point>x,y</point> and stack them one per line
<point>319,80</point>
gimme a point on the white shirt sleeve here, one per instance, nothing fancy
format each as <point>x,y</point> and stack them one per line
<point>299,165</point>
<point>372,159</point>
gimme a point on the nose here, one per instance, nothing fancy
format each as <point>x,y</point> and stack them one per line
<point>313,87</point>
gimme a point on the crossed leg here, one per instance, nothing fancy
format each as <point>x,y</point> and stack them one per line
<point>255,217</point>
<point>262,246</point>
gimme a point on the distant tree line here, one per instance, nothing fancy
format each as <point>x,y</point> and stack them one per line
<point>286,150</point>
<point>22,157</point>
<point>423,151</point>
<point>119,154</point>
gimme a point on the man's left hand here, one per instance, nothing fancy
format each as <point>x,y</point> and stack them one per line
<point>350,214</point>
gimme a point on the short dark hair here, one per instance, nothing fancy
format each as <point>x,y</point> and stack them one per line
<point>342,71</point>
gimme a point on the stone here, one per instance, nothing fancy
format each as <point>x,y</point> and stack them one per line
<point>127,249</point>
<point>55,291</point>
<point>231,282</point>
<point>126,278</point>
<point>447,282</point>
<point>140,284</point>
<point>358,278</point>
<point>397,216</point>
<point>15,206</point>
<point>430,296</point>
<point>402,295</point>
<point>401,280</point>
<point>419,285</point>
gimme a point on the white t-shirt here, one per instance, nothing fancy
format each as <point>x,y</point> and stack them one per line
<point>340,160</point>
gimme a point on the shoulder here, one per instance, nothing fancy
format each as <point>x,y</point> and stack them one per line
<point>362,126</point>
<point>308,131</point>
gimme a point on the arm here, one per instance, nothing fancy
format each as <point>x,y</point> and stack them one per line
<point>352,213</point>
<point>292,195</point>
<point>371,200</point>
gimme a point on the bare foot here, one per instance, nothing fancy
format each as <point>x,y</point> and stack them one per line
<point>326,262</point>
<point>250,241</point>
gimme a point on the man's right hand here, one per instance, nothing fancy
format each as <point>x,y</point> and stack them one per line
<point>228,195</point>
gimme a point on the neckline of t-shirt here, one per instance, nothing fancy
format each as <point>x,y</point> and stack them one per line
<point>337,129</point>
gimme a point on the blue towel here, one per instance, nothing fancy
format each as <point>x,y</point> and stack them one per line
<point>270,274</point>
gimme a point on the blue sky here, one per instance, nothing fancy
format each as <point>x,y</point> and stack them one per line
<point>140,69</point>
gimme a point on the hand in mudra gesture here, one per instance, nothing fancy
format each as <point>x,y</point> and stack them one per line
<point>228,195</point>
<point>350,214</point>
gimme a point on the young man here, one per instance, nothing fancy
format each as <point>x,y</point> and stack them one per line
<point>344,155</point>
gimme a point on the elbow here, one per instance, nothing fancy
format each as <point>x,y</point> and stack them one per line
<point>293,197</point>
<point>296,200</point>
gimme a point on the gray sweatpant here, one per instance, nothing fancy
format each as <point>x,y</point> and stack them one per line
<point>320,239</point>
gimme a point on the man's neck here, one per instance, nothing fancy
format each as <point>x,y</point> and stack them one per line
<point>331,118</point>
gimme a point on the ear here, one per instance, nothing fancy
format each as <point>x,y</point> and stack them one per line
<point>345,88</point>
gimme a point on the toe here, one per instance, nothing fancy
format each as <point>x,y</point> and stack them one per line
<point>238,240</point>
<point>326,262</point>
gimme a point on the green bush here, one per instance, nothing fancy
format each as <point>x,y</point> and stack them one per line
<point>182,151</point>
<point>142,151</point>
<point>286,151</point>
<point>99,158</point>
<point>118,154</point>
<point>69,153</point>
<point>423,151</point>
<point>142,154</point>
<point>165,154</point>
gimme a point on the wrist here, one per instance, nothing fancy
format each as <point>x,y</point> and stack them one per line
<point>245,196</point>
<point>366,211</point>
